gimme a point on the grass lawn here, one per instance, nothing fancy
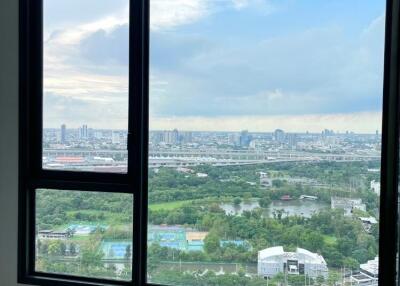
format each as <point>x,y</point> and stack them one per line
<point>329,239</point>
<point>77,238</point>
<point>168,205</point>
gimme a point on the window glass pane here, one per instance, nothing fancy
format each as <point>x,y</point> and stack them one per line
<point>84,233</point>
<point>265,142</point>
<point>85,85</point>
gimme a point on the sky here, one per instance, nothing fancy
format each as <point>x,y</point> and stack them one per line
<point>223,65</point>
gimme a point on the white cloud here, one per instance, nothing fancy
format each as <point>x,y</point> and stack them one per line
<point>87,86</point>
<point>74,33</point>
<point>165,14</point>
<point>281,75</point>
<point>361,122</point>
<point>263,6</point>
<point>72,83</point>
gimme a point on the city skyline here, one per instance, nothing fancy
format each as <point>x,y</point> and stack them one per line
<point>65,127</point>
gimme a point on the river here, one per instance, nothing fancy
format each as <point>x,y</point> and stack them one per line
<point>303,208</point>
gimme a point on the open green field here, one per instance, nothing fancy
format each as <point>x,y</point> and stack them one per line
<point>168,205</point>
<point>329,239</point>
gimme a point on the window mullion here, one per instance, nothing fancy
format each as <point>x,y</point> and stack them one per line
<point>390,150</point>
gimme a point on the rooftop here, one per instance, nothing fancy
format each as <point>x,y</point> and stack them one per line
<point>300,254</point>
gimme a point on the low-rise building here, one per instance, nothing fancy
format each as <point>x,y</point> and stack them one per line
<point>196,235</point>
<point>308,197</point>
<point>201,175</point>
<point>376,187</point>
<point>265,181</point>
<point>52,234</point>
<point>368,222</point>
<point>368,275</point>
<point>184,170</point>
<point>274,260</point>
<point>348,204</point>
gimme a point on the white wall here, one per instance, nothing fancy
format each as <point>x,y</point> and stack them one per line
<point>8,141</point>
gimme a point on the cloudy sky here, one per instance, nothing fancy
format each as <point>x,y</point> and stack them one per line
<point>220,64</point>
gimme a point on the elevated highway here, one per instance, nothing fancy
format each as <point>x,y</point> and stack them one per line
<point>176,158</point>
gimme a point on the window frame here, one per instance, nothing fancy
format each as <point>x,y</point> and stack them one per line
<point>135,181</point>
<point>388,225</point>
<point>31,174</point>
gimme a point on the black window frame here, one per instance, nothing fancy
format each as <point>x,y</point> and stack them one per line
<point>32,176</point>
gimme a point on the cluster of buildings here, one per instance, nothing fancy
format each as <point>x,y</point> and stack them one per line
<point>171,137</point>
<point>326,141</point>
<point>70,231</point>
<point>274,260</point>
<point>84,136</point>
<point>368,274</point>
<point>348,205</point>
<point>75,148</point>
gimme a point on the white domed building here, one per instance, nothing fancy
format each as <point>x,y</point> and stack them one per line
<point>274,260</point>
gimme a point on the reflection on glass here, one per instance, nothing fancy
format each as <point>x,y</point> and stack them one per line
<point>84,233</point>
<point>85,87</point>
<point>264,155</point>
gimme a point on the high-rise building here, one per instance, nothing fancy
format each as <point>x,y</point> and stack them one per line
<point>245,138</point>
<point>377,136</point>
<point>292,140</point>
<point>171,137</point>
<point>156,137</point>
<point>279,135</point>
<point>328,132</point>
<point>186,137</point>
<point>83,132</point>
<point>63,137</point>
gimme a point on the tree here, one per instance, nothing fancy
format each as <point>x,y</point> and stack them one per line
<point>320,280</point>
<point>44,248</point>
<point>277,183</point>
<point>63,248</point>
<point>333,277</point>
<point>350,262</point>
<point>128,252</point>
<point>247,197</point>
<point>54,247</point>
<point>237,201</point>
<point>211,243</point>
<point>72,249</point>
<point>345,245</point>
<point>264,201</point>
<point>314,240</point>
<point>92,254</point>
<point>39,246</point>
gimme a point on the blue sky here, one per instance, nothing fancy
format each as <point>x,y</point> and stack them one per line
<point>221,64</point>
